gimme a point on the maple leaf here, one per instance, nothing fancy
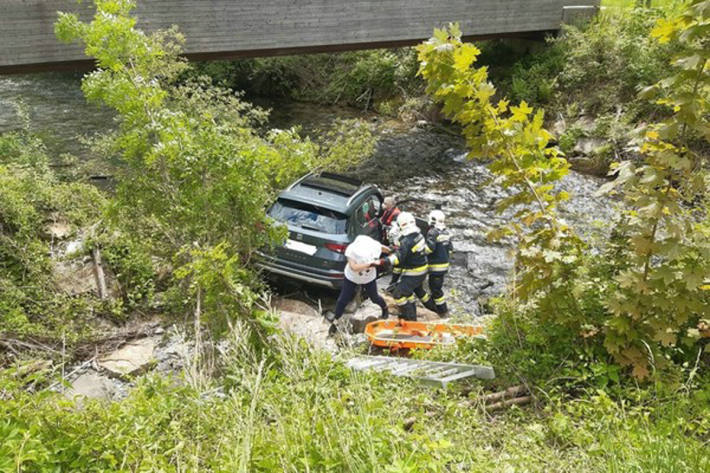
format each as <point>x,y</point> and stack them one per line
<point>640,370</point>
<point>521,113</point>
<point>666,337</point>
<point>465,56</point>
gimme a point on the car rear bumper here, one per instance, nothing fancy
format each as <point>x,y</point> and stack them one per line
<point>325,278</point>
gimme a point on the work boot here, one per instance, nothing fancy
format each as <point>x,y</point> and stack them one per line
<point>442,310</point>
<point>429,304</point>
<point>409,312</point>
<point>385,313</point>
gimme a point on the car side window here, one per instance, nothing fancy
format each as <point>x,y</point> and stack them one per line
<point>366,218</point>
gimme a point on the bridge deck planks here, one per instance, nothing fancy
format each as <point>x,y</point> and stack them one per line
<point>214,26</point>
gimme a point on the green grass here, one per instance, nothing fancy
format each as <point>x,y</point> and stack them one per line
<point>293,410</point>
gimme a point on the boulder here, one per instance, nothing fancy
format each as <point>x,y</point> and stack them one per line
<point>366,313</point>
<point>589,146</point>
<point>586,123</point>
<point>558,127</point>
<point>91,385</point>
<point>74,246</point>
<point>132,358</point>
<point>75,277</point>
<point>283,304</point>
<point>308,326</point>
<point>594,165</point>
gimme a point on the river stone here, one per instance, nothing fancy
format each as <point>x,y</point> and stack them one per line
<point>489,264</point>
<point>91,385</point>
<point>366,313</point>
<point>311,328</point>
<point>589,146</point>
<point>354,305</point>
<point>283,304</point>
<point>75,277</point>
<point>132,358</point>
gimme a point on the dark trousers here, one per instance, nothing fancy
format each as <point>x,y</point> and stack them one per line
<point>348,291</point>
<point>436,286</point>
<point>404,291</point>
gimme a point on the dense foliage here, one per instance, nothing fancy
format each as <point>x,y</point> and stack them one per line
<point>32,199</point>
<point>588,77</point>
<point>664,250</point>
<point>647,291</point>
<point>364,79</point>
<point>196,176</point>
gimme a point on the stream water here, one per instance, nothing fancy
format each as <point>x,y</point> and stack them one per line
<point>420,161</point>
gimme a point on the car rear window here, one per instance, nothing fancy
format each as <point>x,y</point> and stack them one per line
<point>308,216</point>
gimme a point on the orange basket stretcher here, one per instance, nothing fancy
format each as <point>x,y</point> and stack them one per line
<point>396,334</point>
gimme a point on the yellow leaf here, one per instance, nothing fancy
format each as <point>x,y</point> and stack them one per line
<point>520,113</point>
<point>665,30</point>
<point>465,56</point>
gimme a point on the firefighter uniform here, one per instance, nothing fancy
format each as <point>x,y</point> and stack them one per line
<point>411,260</point>
<point>439,243</point>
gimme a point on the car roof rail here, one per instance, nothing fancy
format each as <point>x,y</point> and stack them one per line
<point>299,180</point>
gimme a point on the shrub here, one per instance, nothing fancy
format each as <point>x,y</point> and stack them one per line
<point>359,78</point>
<point>30,199</point>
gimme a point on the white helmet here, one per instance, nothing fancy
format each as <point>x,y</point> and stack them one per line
<point>406,223</point>
<point>436,219</point>
<point>393,233</point>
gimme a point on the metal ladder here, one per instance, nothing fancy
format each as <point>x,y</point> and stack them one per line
<point>430,372</point>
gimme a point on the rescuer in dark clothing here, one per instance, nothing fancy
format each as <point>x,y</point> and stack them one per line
<point>411,258</point>
<point>439,242</point>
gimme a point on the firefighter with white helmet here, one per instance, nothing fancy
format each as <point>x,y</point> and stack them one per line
<point>411,259</point>
<point>438,240</point>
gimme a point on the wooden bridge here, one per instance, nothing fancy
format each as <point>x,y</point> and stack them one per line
<point>222,29</point>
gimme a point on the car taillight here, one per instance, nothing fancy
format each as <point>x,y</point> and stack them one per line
<point>338,248</point>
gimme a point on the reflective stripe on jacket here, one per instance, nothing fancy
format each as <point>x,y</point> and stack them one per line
<point>439,243</point>
<point>411,257</point>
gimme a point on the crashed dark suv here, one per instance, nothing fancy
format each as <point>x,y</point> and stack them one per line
<point>324,213</point>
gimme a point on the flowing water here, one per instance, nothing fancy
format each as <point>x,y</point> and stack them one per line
<point>422,162</point>
<point>56,108</point>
